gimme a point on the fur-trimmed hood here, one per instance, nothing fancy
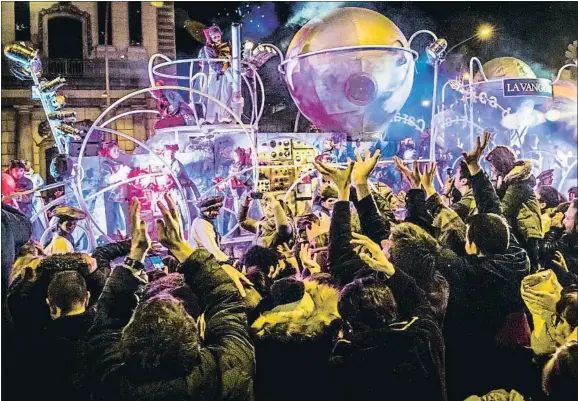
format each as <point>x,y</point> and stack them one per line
<point>522,170</point>
<point>310,317</point>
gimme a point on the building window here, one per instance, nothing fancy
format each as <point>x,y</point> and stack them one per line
<point>22,20</point>
<point>104,18</point>
<point>135,23</point>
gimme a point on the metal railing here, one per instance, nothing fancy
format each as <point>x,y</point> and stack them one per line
<point>88,73</point>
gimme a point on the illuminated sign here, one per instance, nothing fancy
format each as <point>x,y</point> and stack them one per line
<point>527,87</point>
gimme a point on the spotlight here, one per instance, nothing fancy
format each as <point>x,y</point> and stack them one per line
<point>552,115</point>
<point>466,76</point>
<point>425,103</point>
<point>435,50</point>
<point>485,31</point>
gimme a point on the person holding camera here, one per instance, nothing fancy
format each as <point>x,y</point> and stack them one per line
<point>274,228</point>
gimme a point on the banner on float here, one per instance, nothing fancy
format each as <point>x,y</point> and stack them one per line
<point>527,87</point>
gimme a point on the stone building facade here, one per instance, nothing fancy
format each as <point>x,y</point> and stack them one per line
<point>136,31</point>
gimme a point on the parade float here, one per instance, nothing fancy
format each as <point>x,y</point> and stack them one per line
<point>349,73</point>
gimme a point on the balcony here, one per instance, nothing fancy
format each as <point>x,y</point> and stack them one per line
<point>86,74</point>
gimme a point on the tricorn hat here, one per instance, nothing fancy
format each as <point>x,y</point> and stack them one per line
<point>67,213</point>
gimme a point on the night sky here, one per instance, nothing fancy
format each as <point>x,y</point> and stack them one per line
<point>536,32</point>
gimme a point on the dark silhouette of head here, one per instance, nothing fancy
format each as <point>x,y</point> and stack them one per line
<point>161,340</point>
<point>263,258</point>
<point>67,294</point>
<point>286,291</point>
<point>501,159</point>
<point>411,250</point>
<point>478,240</point>
<point>549,197</point>
<point>560,373</point>
<point>367,304</point>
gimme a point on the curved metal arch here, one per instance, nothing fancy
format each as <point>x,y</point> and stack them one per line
<point>149,90</point>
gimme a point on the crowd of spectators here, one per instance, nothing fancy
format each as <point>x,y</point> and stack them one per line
<point>471,296</point>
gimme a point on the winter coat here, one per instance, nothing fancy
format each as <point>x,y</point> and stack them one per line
<point>267,234</point>
<point>401,362</point>
<point>16,231</point>
<point>485,326</point>
<point>519,203</point>
<point>64,361</point>
<point>466,206</point>
<point>225,366</point>
<point>377,228</point>
<point>27,296</point>
<point>294,341</point>
<point>344,264</point>
<point>375,224</point>
<point>566,243</point>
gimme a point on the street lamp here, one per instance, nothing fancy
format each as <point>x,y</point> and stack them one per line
<point>484,32</point>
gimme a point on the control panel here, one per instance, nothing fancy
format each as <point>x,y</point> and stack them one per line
<point>282,161</point>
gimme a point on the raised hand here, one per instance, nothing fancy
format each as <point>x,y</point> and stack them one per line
<point>472,158</point>
<point>170,230</point>
<point>238,278</point>
<point>341,178</point>
<point>412,176</point>
<point>140,239</point>
<point>307,260</point>
<point>560,261</point>
<point>427,178</point>
<point>373,255</point>
<point>448,186</point>
<point>363,167</point>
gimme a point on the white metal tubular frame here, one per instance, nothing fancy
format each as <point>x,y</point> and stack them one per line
<point>433,133</point>
<point>128,113</point>
<point>52,227</point>
<point>281,67</point>
<point>566,173</point>
<point>153,72</point>
<point>569,65</point>
<point>145,147</point>
<point>95,126</point>
<point>49,205</point>
<point>472,93</point>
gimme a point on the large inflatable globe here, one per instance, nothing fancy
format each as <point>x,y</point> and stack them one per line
<point>340,75</point>
<point>505,68</point>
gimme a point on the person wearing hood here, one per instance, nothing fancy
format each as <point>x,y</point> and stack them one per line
<point>152,350</point>
<point>294,339</point>
<point>514,184</point>
<point>486,280</point>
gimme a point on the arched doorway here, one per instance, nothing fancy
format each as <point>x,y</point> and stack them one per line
<point>65,44</point>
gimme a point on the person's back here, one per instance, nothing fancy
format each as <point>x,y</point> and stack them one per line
<point>485,324</point>
<point>296,338</point>
<point>66,364</point>
<point>398,354</point>
<point>64,341</point>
